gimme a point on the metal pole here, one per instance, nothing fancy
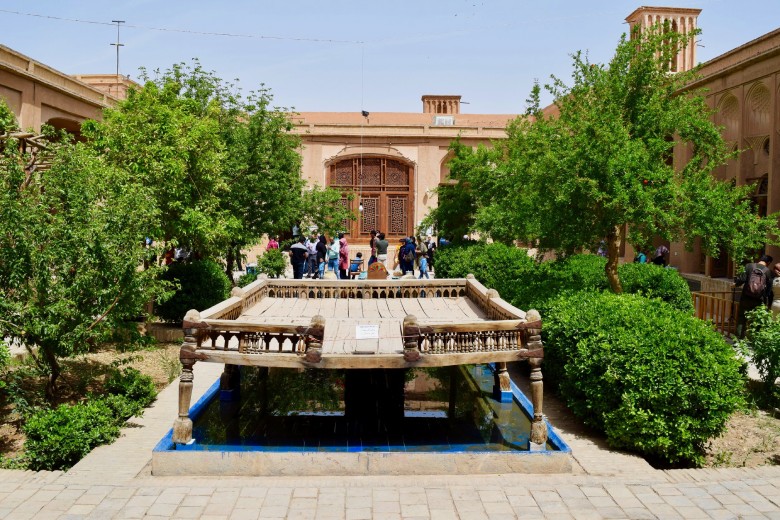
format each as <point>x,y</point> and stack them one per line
<point>117,44</point>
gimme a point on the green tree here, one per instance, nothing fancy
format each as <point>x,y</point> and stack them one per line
<point>264,171</point>
<point>322,207</point>
<point>167,135</point>
<point>603,164</point>
<point>71,242</point>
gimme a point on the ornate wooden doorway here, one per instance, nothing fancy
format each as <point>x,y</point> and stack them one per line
<point>383,186</point>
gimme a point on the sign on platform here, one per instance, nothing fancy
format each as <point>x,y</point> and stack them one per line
<point>367,332</point>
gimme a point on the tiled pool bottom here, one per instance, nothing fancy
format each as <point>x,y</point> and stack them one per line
<point>484,436</point>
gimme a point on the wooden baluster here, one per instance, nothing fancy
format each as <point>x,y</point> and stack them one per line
<point>538,426</point>
<point>314,334</point>
<point>192,325</point>
<point>411,333</point>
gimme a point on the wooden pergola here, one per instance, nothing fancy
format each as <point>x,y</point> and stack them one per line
<point>366,324</point>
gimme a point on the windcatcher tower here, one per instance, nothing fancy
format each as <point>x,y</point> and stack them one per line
<point>679,19</point>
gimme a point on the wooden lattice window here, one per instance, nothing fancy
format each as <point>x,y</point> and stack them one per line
<point>370,218</point>
<point>345,223</point>
<point>371,172</point>
<point>397,174</point>
<point>397,215</point>
<point>383,186</point>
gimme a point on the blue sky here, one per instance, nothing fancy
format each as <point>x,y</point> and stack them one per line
<point>489,52</point>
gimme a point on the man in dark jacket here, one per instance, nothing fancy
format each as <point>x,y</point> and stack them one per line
<point>756,282</point>
<point>298,254</point>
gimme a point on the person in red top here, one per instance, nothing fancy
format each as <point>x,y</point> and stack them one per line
<point>272,244</point>
<point>343,257</point>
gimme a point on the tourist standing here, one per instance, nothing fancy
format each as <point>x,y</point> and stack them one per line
<point>311,260</point>
<point>333,256</point>
<point>659,258</point>
<point>322,255</point>
<point>381,248</point>
<point>298,254</point>
<point>406,257</point>
<point>372,245</point>
<point>431,244</point>
<point>273,243</point>
<point>422,256</point>
<point>756,284</point>
<point>343,257</point>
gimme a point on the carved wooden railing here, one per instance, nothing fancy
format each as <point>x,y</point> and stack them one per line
<point>719,307</point>
<point>217,330</point>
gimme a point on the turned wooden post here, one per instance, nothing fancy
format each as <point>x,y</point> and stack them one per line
<point>538,426</point>
<point>182,427</point>
<point>411,338</point>
<point>238,292</point>
<point>315,334</point>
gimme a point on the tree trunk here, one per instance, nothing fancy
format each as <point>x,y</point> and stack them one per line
<point>614,241</point>
<point>54,373</point>
<point>229,259</point>
<point>238,258</point>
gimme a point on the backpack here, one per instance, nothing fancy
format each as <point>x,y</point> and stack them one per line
<point>756,283</point>
<point>409,256</point>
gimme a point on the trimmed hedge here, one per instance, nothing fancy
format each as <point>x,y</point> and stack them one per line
<point>654,379</point>
<point>527,284</point>
<point>201,284</point>
<point>60,437</point>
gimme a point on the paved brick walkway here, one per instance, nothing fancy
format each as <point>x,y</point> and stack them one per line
<point>114,482</point>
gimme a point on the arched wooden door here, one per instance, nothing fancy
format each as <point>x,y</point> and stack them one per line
<point>383,186</point>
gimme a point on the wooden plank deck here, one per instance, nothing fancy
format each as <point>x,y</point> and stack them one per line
<point>343,316</point>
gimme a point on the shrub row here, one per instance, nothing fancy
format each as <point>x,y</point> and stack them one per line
<point>654,379</point>
<point>528,284</point>
<point>57,438</point>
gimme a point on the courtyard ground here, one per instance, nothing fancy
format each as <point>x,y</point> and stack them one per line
<point>115,482</point>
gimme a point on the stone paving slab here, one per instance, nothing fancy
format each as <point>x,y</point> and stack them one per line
<point>751,493</point>
<point>114,482</point>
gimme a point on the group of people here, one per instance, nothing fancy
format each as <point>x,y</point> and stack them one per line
<point>659,258</point>
<point>312,256</point>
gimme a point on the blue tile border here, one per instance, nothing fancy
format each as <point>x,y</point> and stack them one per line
<point>167,444</point>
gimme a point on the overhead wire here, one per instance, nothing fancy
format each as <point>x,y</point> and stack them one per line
<point>186,31</point>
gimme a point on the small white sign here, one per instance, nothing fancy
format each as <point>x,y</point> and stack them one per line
<point>367,332</point>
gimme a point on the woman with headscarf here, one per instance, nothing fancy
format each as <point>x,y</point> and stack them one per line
<point>406,257</point>
<point>322,255</point>
<point>343,257</point>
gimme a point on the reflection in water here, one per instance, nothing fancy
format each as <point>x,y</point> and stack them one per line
<point>437,409</point>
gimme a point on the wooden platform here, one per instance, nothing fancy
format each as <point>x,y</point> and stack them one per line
<point>360,324</point>
<point>344,317</point>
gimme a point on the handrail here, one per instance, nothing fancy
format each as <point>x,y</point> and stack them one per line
<point>721,311</point>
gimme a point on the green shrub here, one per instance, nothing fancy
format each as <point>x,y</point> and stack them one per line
<point>762,343</point>
<point>5,360</point>
<point>133,385</point>
<point>201,285</point>
<point>246,279</point>
<point>507,269</point>
<point>272,263</point>
<point>122,408</point>
<point>654,379</point>
<point>654,281</point>
<point>527,284</point>
<point>60,437</point>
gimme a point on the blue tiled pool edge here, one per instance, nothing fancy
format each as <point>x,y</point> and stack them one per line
<point>253,460</point>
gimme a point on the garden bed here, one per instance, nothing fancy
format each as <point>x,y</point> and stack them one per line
<point>83,375</point>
